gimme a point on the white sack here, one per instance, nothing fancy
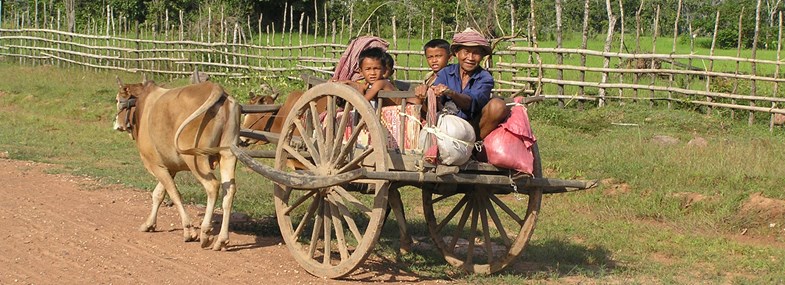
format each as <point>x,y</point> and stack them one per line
<point>455,139</point>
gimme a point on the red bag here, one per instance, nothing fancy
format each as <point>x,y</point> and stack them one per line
<point>510,145</point>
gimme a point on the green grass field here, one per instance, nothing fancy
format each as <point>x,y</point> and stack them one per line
<point>667,214</point>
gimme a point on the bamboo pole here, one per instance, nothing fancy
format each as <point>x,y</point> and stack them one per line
<point>285,10</point>
<point>642,56</point>
<point>655,88</point>
<point>315,19</point>
<point>711,61</point>
<point>533,25</point>
<point>776,70</point>
<point>641,70</point>
<point>606,61</point>
<point>430,30</point>
<point>673,47</point>
<point>409,43</point>
<point>621,43</point>
<point>291,26</point>
<point>559,56</point>
<point>692,48</point>
<point>738,54</point>
<point>753,66</point>
<point>655,32</point>
<point>584,43</point>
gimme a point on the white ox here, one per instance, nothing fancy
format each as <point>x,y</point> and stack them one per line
<point>200,116</point>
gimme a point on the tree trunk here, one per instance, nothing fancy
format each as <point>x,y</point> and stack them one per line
<point>70,11</point>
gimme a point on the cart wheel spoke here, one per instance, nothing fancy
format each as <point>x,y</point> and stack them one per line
<point>452,213</point>
<point>355,163</point>
<point>327,233</point>
<point>351,143</point>
<point>486,231</point>
<point>347,216</point>
<point>497,244</point>
<point>461,225</point>
<point>472,234</point>
<point>317,130</point>
<point>339,231</point>
<point>337,143</point>
<point>298,202</point>
<point>499,226</point>
<point>329,128</point>
<point>317,227</point>
<point>306,137</point>
<point>507,209</point>
<point>306,218</point>
<point>336,232</point>
<point>345,194</point>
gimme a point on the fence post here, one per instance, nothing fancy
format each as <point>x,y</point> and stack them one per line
<point>753,64</point>
<point>559,56</point>
<point>1,13</point>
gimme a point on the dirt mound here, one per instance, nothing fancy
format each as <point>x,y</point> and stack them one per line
<point>764,210</point>
<point>689,198</point>
<point>614,187</point>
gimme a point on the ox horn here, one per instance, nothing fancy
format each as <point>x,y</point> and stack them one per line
<point>119,82</point>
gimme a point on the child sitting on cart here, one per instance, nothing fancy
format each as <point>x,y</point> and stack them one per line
<point>437,55</point>
<point>373,69</point>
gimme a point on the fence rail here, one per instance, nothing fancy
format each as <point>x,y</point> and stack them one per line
<point>519,65</point>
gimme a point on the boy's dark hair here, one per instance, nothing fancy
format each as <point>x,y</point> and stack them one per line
<point>389,62</point>
<point>373,53</point>
<point>437,43</point>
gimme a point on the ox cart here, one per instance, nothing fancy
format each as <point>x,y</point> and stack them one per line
<point>333,173</point>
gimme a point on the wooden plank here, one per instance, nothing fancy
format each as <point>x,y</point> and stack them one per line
<point>247,108</point>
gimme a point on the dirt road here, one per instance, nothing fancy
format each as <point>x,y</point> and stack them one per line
<point>71,230</point>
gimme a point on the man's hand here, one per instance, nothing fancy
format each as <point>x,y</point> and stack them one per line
<point>440,89</point>
<point>420,91</point>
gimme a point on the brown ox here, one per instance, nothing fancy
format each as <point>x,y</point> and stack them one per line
<point>201,117</point>
<point>273,122</point>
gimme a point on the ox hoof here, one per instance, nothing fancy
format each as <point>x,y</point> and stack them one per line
<point>406,247</point>
<point>220,244</point>
<point>189,234</point>
<point>147,228</point>
<point>206,241</point>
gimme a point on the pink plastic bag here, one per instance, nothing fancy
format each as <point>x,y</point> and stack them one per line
<point>510,145</point>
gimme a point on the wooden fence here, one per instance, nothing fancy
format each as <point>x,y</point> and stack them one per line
<point>739,84</point>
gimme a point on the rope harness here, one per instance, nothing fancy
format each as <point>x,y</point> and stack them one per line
<point>126,105</point>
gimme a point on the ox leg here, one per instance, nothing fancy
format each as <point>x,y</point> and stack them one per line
<point>228,166</point>
<point>167,179</point>
<point>157,198</point>
<point>210,184</point>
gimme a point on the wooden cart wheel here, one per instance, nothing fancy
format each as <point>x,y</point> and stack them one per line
<point>476,229</point>
<point>331,130</point>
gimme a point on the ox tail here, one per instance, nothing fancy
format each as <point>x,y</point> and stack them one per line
<point>215,95</point>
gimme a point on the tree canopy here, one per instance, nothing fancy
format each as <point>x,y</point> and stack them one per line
<point>495,18</point>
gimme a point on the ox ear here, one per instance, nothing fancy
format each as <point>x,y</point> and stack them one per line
<point>195,76</point>
<point>119,82</point>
